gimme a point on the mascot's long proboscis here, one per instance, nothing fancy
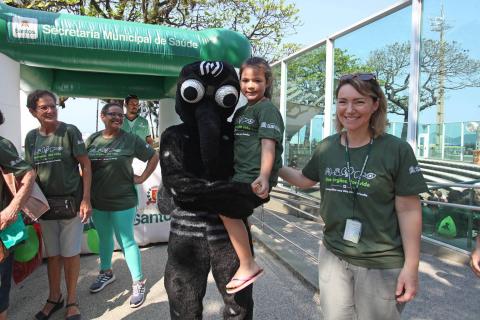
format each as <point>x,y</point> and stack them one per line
<point>196,159</point>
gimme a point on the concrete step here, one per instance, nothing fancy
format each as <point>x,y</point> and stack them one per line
<point>435,179</point>
<point>473,175</point>
<point>451,164</point>
<point>450,177</point>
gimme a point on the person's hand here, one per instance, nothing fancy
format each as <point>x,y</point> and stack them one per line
<point>407,284</point>
<point>85,210</point>
<point>7,217</point>
<point>260,187</point>
<point>138,179</point>
<point>475,260</point>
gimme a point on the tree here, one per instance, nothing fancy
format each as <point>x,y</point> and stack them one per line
<point>306,95</point>
<point>444,66</point>
<point>306,75</point>
<point>263,22</point>
<point>149,110</point>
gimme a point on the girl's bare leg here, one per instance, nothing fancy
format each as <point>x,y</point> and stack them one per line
<point>239,237</point>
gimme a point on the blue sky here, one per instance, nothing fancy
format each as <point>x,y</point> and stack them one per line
<point>325,17</point>
<point>320,19</point>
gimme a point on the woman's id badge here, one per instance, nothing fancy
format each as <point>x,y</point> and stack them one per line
<point>353,229</point>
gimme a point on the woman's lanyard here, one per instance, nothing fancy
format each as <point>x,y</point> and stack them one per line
<point>357,184</point>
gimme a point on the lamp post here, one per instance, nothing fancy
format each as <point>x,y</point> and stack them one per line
<point>439,24</point>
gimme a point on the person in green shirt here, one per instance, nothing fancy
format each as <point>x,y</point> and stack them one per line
<point>369,185</point>
<point>10,162</point>
<point>114,197</point>
<point>133,122</point>
<point>258,133</point>
<point>56,150</point>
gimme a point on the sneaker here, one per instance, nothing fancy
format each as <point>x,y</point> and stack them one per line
<point>138,293</point>
<point>103,279</point>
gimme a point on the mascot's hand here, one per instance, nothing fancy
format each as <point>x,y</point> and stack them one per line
<point>165,201</point>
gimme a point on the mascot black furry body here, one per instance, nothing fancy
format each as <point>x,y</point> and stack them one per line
<point>197,161</point>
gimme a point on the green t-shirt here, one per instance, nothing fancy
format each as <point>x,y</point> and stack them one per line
<point>253,123</point>
<point>392,170</point>
<point>54,158</point>
<point>138,126</point>
<point>10,162</point>
<point>112,173</point>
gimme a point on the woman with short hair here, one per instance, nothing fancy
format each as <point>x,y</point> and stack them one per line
<point>56,149</point>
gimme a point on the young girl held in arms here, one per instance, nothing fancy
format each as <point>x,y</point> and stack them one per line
<point>257,158</point>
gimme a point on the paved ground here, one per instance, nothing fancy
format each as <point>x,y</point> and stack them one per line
<point>278,295</point>
<point>448,289</point>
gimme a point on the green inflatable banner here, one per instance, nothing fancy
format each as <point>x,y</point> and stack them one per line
<point>67,41</point>
<point>78,43</point>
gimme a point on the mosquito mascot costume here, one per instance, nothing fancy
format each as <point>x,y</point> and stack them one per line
<point>196,158</point>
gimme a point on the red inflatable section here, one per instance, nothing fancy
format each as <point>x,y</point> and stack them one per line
<point>22,270</point>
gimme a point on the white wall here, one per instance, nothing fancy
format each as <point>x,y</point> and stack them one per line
<point>166,115</point>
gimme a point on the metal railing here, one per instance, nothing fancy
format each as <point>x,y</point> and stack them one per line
<point>295,218</point>
<point>292,204</point>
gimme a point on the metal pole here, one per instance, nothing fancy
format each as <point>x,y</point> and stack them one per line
<point>96,124</point>
<point>414,83</point>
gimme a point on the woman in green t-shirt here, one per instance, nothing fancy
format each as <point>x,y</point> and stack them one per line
<point>114,197</point>
<point>10,206</point>
<point>55,150</point>
<point>369,185</point>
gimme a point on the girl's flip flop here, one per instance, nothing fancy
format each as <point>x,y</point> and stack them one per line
<point>244,282</point>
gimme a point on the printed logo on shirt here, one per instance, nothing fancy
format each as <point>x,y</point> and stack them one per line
<point>245,126</point>
<point>103,153</point>
<point>336,180</point>
<point>15,162</point>
<point>270,126</point>
<point>48,154</point>
<point>414,169</point>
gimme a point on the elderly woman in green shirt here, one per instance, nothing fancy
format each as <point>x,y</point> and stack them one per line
<point>56,150</point>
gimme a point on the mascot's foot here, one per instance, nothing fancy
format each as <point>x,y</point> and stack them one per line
<point>241,283</point>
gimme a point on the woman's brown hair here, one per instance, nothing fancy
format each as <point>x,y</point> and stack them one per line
<point>371,88</point>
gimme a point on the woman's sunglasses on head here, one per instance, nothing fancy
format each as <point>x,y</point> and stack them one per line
<point>361,76</point>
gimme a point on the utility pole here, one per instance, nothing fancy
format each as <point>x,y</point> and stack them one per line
<point>439,24</point>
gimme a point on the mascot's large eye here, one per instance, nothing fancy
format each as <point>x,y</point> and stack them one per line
<point>226,96</point>
<point>192,91</point>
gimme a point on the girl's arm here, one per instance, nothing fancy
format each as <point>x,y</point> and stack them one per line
<point>296,178</point>
<point>261,184</point>
<point>410,222</point>
<point>151,165</point>
<point>85,205</point>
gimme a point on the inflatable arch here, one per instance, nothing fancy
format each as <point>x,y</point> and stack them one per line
<point>92,57</point>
